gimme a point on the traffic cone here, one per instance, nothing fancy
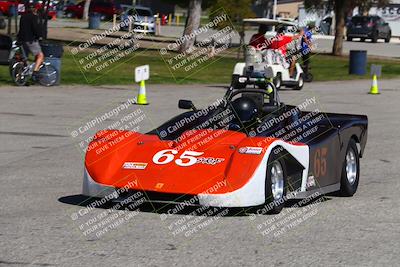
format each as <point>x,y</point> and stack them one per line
<point>141,99</point>
<point>374,87</point>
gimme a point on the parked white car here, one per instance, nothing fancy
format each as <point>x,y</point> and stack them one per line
<point>142,19</point>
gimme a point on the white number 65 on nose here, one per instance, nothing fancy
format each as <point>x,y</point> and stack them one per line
<point>166,156</point>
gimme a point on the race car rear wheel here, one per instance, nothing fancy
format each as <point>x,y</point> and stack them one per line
<point>350,170</point>
<point>275,184</point>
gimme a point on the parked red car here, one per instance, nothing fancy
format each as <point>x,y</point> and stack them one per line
<point>6,4</point>
<point>106,9</point>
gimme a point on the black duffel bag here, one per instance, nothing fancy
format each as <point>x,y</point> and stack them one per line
<point>5,42</point>
<point>5,46</point>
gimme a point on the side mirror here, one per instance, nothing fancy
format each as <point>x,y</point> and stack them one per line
<point>186,104</point>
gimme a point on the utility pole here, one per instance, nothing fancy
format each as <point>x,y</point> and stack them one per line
<point>274,9</point>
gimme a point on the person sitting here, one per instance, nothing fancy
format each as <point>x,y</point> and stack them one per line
<point>258,40</point>
<point>280,43</point>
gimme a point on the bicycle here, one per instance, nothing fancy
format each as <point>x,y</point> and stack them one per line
<point>21,71</point>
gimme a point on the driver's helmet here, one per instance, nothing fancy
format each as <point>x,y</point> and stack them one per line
<point>245,108</point>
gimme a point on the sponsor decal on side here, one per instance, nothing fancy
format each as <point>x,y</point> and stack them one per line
<point>210,161</point>
<point>251,150</point>
<point>134,165</point>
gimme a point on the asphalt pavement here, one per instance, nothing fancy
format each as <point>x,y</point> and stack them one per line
<point>41,175</point>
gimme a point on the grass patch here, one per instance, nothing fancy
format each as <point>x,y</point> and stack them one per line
<point>324,68</point>
<point>331,68</point>
<point>122,72</point>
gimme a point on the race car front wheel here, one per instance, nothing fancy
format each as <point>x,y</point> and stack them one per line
<point>350,170</point>
<point>275,184</point>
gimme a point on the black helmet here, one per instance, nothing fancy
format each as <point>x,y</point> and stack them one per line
<point>245,108</point>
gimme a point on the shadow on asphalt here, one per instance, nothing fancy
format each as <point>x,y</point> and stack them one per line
<point>182,209</point>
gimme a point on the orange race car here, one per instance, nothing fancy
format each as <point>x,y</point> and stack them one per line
<point>245,150</point>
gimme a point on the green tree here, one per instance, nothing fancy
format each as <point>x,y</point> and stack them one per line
<point>191,25</point>
<point>342,9</point>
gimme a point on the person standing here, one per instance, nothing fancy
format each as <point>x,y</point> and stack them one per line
<point>258,40</point>
<point>306,46</point>
<point>29,34</point>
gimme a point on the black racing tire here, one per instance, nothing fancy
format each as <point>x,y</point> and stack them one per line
<point>374,38</point>
<point>235,82</point>
<point>300,83</point>
<point>349,38</point>
<point>278,81</point>
<point>388,37</point>
<point>275,204</point>
<point>18,74</point>
<point>349,182</point>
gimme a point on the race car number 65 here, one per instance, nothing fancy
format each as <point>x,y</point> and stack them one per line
<point>188,158</point>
